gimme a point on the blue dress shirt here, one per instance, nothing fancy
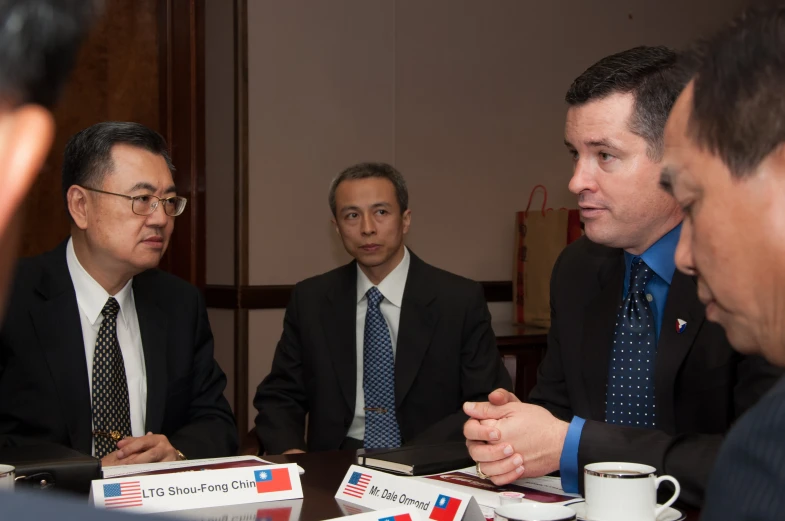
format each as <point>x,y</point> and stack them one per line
<point>660,258</point>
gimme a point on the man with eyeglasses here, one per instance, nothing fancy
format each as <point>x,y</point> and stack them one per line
<point>102,352</point>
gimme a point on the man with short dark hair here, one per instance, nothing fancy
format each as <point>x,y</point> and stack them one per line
<point>100,351</point>
<point>382,351</point>
<point>633,372</point>
<point>725,164</point>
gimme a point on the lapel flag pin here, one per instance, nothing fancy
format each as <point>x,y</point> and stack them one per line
<point>681,325</point>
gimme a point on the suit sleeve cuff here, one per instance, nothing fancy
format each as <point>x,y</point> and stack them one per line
<point>568,464</point>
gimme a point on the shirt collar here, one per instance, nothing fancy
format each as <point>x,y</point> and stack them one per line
<point>90,295</point>
<point>393,284</point>
<point>660,255</point>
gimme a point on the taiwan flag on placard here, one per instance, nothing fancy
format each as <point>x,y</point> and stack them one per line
<point>445,508</point>
<point>399,517</point>
<point>275,480</point>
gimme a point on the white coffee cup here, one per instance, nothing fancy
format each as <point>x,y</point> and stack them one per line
<point>7,477</point>
<point>624,492</point>
<point>534,512</point>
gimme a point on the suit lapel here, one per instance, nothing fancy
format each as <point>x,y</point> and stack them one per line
<point>598,329</point>
<point>415,328</point>
<point>673,347</point>
<point>153,329</point>
<point>58,326</point>
<point>339,320</point>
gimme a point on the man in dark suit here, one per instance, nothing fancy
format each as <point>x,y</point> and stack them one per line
<point>100,351</point>
<point>725,165</point>
<point>384,350</point>
<point>633,372</point>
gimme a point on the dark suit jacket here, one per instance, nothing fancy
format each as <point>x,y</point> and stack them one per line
<point>446,354</point>
<point>44,389</point>
<point>701,385</point>
<point>748,481</point>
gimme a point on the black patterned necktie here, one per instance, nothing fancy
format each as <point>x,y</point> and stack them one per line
<point>381,426</point>
<point>111,411</point>
<point>630,391</point>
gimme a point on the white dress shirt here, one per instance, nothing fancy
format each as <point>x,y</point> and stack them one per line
<point>91,298</point>
<point>392,288</point>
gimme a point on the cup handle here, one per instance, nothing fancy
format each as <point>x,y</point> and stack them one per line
<point>673,498</point>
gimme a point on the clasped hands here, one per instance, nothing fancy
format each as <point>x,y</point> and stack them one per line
<point>149,448</point>
<point>512,440</point>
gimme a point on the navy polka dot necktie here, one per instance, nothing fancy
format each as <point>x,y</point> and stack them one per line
<point>111,412</point>
<point>381,426</point>
<point>630,388</point>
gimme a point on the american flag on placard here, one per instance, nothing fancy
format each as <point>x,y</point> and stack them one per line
<point>123,495</point>
<point>357,484</point>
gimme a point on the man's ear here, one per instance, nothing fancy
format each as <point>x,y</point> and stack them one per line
<point>407,221</point>
<point>76,202</point>
<point>26,135</point>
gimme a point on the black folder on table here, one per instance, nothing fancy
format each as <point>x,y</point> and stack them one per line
<point>417,460</point>
<point>51,466</point>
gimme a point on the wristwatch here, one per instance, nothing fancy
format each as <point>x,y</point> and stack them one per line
<point>180,455</point>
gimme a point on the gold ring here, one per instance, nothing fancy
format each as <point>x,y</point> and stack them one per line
<point>480,472</point>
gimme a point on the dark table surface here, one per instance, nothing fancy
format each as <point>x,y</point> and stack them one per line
<point>323,474</point>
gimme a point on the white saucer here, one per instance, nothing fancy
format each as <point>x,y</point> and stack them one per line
<point>670,514</point>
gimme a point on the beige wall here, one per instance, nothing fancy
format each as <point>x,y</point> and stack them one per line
<point>219,173</point>
<point>263,331</point>
<point>222,323</point>
<point>321,96</point>
<point>465,97</point>
<point>219,141</point>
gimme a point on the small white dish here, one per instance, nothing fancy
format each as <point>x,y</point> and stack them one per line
<point>669,514</point>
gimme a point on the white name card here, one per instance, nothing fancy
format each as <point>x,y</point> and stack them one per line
<point>390,514</point>
<point>200,489</point>
<point>378,491</point>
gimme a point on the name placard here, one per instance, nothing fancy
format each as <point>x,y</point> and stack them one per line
<point>189,490</point>
<point>390,514</point>
<point>377,490</point>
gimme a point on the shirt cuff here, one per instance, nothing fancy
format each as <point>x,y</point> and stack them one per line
<point>568,464</point>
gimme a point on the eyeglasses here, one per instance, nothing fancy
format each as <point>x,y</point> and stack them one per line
<point>147,204</point>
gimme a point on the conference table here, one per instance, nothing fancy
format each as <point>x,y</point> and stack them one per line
<point>323,474</point>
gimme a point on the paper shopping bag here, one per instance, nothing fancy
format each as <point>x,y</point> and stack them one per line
<point>540,236</point>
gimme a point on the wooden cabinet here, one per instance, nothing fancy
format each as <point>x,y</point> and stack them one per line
<point>523,348</point>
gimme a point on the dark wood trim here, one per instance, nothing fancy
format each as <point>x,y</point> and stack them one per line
<point>277,297</point>
<point>198,138</point>
<point>181,70</point>
<point>240,213</point>
<point>265,297</point>
<point>220,296</point>
<point>241,371</point>
<point>497,290</point>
